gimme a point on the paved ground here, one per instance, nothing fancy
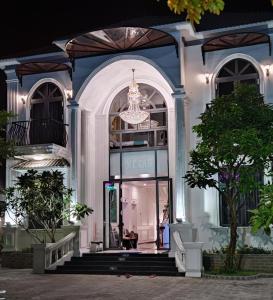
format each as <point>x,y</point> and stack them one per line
<point>21,284</point>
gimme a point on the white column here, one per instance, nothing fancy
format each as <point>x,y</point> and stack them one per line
<point>180,157</point>
<point>75,148</point>
<point>12,92</point>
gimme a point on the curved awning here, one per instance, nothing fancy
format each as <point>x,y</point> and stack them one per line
<point>45,163</point>
<point>115,40</point>
<point>235,40</point>
<point>31,68</point>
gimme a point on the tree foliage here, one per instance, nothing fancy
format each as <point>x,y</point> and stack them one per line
<point>42,201</point>
<point>196,8</point>
<point>235,143</point>
<point>262,216</point>
<point>6,146</point>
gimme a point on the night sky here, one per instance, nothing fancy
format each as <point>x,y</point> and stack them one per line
<point>27,25</point>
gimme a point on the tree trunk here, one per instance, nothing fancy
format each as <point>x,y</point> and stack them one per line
<point>230,261</point>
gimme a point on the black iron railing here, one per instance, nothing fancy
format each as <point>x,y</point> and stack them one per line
<point>38,131</point>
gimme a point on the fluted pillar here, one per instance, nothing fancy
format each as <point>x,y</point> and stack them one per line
<point>75,148</point>
<point>180,156</point>
<point>12,92</point>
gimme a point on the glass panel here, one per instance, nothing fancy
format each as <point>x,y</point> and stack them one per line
<point>111,215</point>
<point>164,214</point>
<point>162,163</point>
<point>106,217</point>
<point>138,139</point>
<point>225,88</point>
<point>161,138</point>
<point>160,119</point>
<point>138,164</point>
<point>114,142</point>
<point>115,123</point>
<point>115,165</point>
<point>139,214</point>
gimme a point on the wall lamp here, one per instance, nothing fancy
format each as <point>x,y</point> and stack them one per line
<point>22,98</point>
<point>207,78</point>
<point>69,94</point>
<point>267,70</point>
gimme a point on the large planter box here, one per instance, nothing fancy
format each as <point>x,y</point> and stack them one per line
<point>254,262</point>
<point>17,259</point>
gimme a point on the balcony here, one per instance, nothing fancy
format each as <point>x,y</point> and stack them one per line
<point>46,138</point>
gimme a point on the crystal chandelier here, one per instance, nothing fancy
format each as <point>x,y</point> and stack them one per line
<point>134,115</point>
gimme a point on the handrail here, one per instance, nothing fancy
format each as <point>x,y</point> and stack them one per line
<point>38,131</point>
<point>52,246</point>
<point>59,252</point>
<point>179,252</point>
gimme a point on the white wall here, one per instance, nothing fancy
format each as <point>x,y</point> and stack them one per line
<point>204,204</point>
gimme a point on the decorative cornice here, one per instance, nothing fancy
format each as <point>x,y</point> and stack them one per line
<point>179,92</point>
<point>73,104</point>
<point>12,80</point>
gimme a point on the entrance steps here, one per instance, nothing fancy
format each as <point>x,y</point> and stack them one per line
<point>120,264</point>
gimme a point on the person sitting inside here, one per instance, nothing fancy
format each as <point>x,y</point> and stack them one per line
<point>133,239</point>
<point>130,239</point>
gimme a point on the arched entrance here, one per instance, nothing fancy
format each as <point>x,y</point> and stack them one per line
<point>137,197</point>
<point>95,100</point>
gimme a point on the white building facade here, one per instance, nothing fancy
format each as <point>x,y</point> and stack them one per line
<point>67,106</point>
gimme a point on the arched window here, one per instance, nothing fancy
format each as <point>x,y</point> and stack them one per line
<point>47,115</point>
<point>238,71</point>
<point>235,71</point>
<point>142,149</point>
<point>150,133</point>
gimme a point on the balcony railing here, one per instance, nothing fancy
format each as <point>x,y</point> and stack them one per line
<point>38,131</point>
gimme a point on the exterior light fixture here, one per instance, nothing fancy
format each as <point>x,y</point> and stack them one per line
<point>267,69</point>
<point>207,78</point>
<point>69,94</point>
<point>134,115</point>
<point>22,98</point>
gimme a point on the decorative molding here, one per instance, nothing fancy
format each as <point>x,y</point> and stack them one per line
<point>117,59</point>
<point>13,80</point>
<point>179,93</point>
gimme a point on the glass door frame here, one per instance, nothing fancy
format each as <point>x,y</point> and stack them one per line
<point>120,219</point>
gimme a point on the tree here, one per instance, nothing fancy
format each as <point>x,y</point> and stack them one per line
<point>6,151</point>
<point>6,146</point>
<point>42,201</point>
<point>236,142</point>
<point>262,216</point>
<point>196,8</point>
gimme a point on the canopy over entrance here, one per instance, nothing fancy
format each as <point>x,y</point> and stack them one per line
<point>31,68</point>
<point>118,39</point>
<point>235,40</point>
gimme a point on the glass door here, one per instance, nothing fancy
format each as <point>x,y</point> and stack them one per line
<point>164,212</point>
<point>112,215</point>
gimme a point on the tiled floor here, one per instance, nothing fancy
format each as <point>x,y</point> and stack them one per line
<point>23,285</point>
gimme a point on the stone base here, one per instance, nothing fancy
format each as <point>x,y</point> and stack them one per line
<point>192,274</point>
<point>16,259</point>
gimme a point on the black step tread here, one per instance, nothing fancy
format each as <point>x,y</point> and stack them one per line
<point>134,254</point>
<point>136,258</point>
<point>128,263</point>
<point>146,264</point>
<point>122,259</point>
<point>118,267</point>
<point>116,272</point>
